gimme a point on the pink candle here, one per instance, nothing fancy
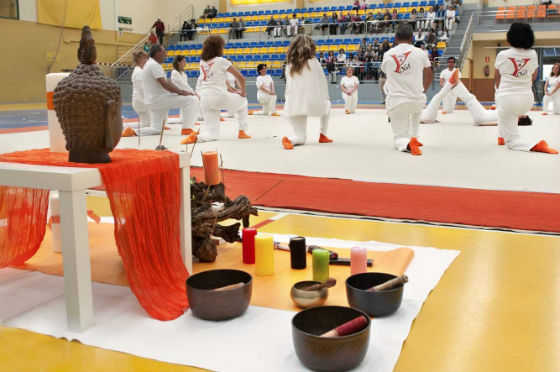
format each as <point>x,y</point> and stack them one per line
<point>248,236</point>
<point>358,260</point>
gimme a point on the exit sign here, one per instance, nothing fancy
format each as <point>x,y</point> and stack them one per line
<point>125,20</point>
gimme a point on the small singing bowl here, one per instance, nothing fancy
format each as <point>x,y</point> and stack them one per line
<point>376,304</point>
<point>206,303</point>
<point>328,353</point>
<point>305,299</point>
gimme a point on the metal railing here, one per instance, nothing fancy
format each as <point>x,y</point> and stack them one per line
<point>467,39</point>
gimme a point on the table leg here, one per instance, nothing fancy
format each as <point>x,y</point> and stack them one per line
<point>185,219</point>
<point>75,254</point>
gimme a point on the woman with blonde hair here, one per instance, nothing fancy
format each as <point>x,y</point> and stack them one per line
<point>306,91</point>
<point>214,95</point>
<point>140,58</point>
<point>551,91</point>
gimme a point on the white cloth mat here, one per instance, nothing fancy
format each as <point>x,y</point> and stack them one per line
<point>260,340</point>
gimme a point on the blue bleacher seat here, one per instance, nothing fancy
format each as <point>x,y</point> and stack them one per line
<point>321,42</point>
<point>265,57</point>
<point>172,47</point>
<point>414,3</point>
<point>268,12</point>
<point>248,57</point>
<point>285,42</point>
<point>407,4</point>
<point>423,3</point>
<point>372,6</point>
<point>277,43</point>
<point>389,5</point>
<point>329,42</point>
<point>244,72</point>
<point>252,73</point>
<point>275,11</point>
<point>253,44</point>
<point>260,12</point>
<point>169,60</point>
<point>398,5</point>
<point>254,12</point>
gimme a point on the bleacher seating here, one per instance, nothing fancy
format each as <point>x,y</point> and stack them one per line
<point>246,55</point>
<point>528,13</point>
<point>255,21</point>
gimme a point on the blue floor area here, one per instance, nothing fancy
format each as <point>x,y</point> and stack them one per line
<point>22,119</point>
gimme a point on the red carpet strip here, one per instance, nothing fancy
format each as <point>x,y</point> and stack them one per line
<point>489,208</point>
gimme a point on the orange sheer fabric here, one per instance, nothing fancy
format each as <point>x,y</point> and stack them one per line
<point>143,188</point>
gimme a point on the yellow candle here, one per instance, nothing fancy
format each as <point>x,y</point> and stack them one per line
<point>264,254</point>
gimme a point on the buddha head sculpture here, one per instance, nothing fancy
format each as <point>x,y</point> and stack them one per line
<point>88,107</point>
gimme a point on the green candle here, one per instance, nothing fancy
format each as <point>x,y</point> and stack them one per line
<point>321,260</point>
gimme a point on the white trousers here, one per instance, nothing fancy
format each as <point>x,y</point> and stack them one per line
<point>269,103</point>
<point>429,24</point>
<point>211,106</point>
<point>299,125</point>
<point>509,109</point>
<point>429,114</point>
<point>554,100</point>
<point>159,109</point>
<point>449,101</point>
<point>479,114</point>
<point>449,22</point>
<point>405,120</point>
<point>350,101</point>
<point>142,111</point>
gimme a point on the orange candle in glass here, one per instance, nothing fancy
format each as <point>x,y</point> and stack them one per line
<point>211,167</point>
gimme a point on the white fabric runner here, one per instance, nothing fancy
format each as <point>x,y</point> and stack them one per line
<point>260,340</point>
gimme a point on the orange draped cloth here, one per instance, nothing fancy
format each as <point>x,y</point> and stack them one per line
<point>143,188</point>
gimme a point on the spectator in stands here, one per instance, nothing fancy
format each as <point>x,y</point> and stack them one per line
<point>286,26</point>
<point>441,10</point>
<point>160,29</point>
<point>233,27</point>
<point>207,11</point>
<point>240,29</point>
<point>371,23</point>
<point>146,48</point>
<point>349,87</point>
<point>303,23</point>
<point>363,45</point>
<point>325,21</point>
<point>349,60</point>
<point>357,23</point>
<point>421,19</point>
<point>413,18</point>
<point>443,35</point>
<point>356,5</point>
<point>322,59</point>
<point>341,58</point>
<point>307,92</point>
<point>357,63</point>
<point>450,18</point>
<point>552,91</point>
<point>343,22</point>
<point>334,24</point>
<point>213,12</point>
<point>408,77</point>
<point>191,29</point>
<point>161,95</point>
<point>363,4</point>
<point>265,93</point>
<point>433,56</point>
<point>515,70</point>
<point>431,19</point>
<point>394,19</point>
<point>430,39</point>
<point>294,24</point>
<point>153,38</point>
<point>183,33</point>
<point>386,20</point>
<point>331,66</point>
<point>420,37</point>
<point>214,95</point>
<point>273,27</point>
<point>384,47</point>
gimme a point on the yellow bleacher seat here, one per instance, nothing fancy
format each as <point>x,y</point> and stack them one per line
<point>242,64</point>
<point>441,45</point>
<point>323,48</point>
<point>362,12</point>
<point>254,50</point>
<point>263,50</point>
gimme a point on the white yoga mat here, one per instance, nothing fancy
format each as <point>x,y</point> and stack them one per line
<point>260,340</point>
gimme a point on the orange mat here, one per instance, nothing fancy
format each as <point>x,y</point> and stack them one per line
<point>268,291</point>
<point>490,208</point>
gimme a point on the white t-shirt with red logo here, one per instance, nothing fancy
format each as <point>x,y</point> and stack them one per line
<point>404,66</point>
<point>516,68</point>
<point>213,76</point>
<point>446,74</point>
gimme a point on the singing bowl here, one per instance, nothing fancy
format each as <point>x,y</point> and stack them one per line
<point>326,354</point>
<point>376,304</point>
<point>305,299</point>
<point>205,303</point>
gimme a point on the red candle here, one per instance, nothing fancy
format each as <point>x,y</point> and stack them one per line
<point>211,167</point>
<point>249,245</point>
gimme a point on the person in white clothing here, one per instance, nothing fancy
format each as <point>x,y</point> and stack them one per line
<point>181,80</point>
<point>307,92</point>
<point>160,95</point>
<point>450,18</point>
<point>349,87</point>
<point>430,19</point>
<point>552,91</point>
<point>140,59</point>
<point>515,70</point>
<point>450,98</point>
<point>265,93</point>
<point>214,94</point>
<point>409,75</point>
<point>293,28</point>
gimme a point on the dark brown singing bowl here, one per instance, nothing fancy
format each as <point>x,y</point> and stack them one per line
<point>376,304</point>
<point>326,353</point>
<point>208,304</point>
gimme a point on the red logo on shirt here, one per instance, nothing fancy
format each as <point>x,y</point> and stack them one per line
<point>206,70</point>
<point>518,65</point>
<point>400,59</point>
